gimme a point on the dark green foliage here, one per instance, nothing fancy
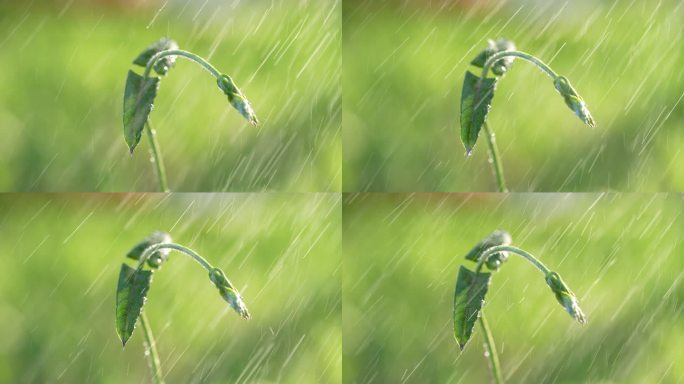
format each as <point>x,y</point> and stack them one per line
<point>138,102</point>
<point>471,289</point>
<point>476,100</point>
<point>131,294</point>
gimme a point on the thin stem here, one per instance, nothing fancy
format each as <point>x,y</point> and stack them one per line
<point>525,56</point>
<point>157,157</point>
<point>491,350</point>
<point>508,248</point>
<point>156,153</point>
<point>188,55</point>
<point>494,159</point>
<point>151,351</point>
<point>153,248</point>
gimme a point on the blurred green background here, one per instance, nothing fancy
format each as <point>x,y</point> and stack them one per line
<point>621,255</point>
<point>404,63</point>
<point>60,265</point>
<point>62,74</point>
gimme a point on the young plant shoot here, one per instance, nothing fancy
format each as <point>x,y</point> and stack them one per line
<point>141,90</point>
<point>134,284</point>
<point>478,93</point>
<point>472,286</point>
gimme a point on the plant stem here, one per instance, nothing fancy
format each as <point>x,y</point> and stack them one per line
<point>161,173</point>
<point>491,350</point>
<point>188,55</point>
<point>151,351</point>
<point>157,157</point>
<point>525,56</point>
<point>508,248</point>
<point>153,248</point>
<point>494,159</point>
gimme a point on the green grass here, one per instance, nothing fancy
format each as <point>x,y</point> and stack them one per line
<point>62,255</point>
<point>63,78</point>
<point>402,76</point>
<point>621,254</point>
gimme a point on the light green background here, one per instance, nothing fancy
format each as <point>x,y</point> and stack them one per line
<point>621,255</point>
<point>61,256</point>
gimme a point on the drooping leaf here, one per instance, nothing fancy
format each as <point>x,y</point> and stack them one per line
<point>501,66</point>
<point>131,293</point>
<point>165,63</point>
<point>494,261</point>
<point>565,297</point>
<point>237,99</point>
<point>158,257</point>
<point>476,100</point>
<point>228,292</point>
<point>573,100</point>
<point>138,102</point>
<point>469,295</point>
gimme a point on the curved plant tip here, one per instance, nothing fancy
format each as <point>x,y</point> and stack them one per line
<point>494,261</point>
<point>165,63</point>
<point>228,292</point>
<point>158,257</point>
<point>565,297</point>
<point>573,100</point>
<point>237,99</point>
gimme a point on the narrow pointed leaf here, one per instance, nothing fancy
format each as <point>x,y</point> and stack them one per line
<point>469,295</point>
<point>131,293</point>
<point>138,102</point>
<point>476,100</point>
<point>493,262</point>
<point>157,258</point>
<point>165,63</point>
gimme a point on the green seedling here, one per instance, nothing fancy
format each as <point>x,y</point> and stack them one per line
<point>471,288</point>
<point>141,90</point>
<point>478,93</point>
<point>134,284</point>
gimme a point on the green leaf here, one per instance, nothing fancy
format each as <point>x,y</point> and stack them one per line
<point>501,66</point>
<point>493,262</point>
<point>469,296</point>
<point>476,100</point>
<point>165,63</point>
<point>131,294</point>
<point>138,102</point>
<point>157,258</point>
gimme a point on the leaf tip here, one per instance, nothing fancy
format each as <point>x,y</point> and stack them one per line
<point>469,151</point>
<point>123,339</point>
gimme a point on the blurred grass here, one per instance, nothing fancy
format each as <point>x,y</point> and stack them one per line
<point>63,70</point>
<point>621,254</point>
<point>61,259</point>
<point>403,72</point>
